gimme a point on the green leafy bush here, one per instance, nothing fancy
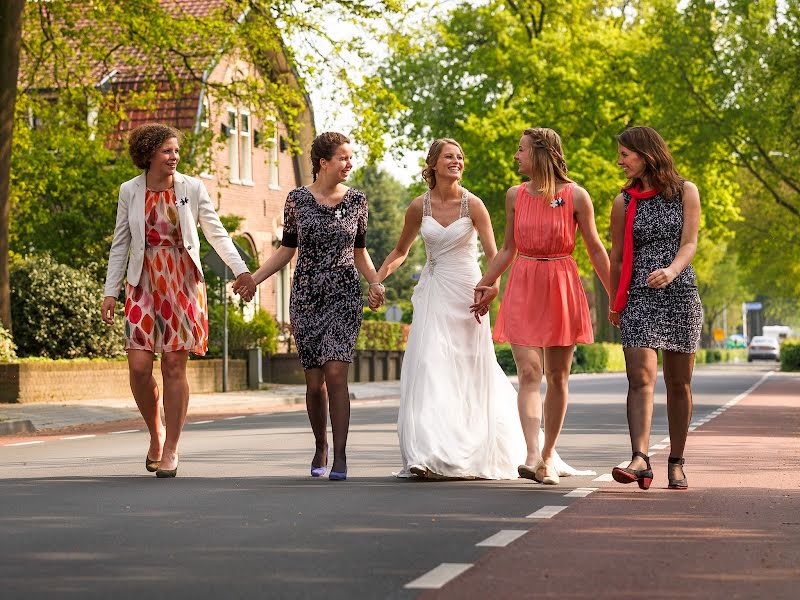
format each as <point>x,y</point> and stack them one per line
<point>382,335</point>
<point>790,355</point>
<point>7,346</point>
<point>56,312</point>
<point>260,332</point>
<point>601,357</point>
<point>505,358</point>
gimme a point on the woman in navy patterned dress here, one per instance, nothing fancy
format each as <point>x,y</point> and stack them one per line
<point>654,223</point>
<point>327,221</point>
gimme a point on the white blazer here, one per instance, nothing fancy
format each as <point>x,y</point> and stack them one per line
<point>194,207</point>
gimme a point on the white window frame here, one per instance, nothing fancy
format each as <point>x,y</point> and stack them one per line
<point>245,149</point>
<point>204,124</point>
<point>233,145</point>
<point>282,290</point>
<point>273,156</point>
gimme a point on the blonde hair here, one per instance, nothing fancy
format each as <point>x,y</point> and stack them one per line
<point>658,164</point>
<point>429,173</point>
<point>547,158</point>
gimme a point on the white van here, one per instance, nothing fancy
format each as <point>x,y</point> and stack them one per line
<point>777,332</point>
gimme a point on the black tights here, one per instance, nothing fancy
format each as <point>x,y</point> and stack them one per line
<point>327,387</point>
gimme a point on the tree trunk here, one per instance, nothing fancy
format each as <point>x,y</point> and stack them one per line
<point>10,38</point>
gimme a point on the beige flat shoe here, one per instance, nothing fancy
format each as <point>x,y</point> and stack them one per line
<point>150,464</point>
<point>544,477</point>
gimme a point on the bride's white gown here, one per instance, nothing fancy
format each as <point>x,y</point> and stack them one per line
<point>458,410</point>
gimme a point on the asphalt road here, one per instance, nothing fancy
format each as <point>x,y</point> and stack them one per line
<point>82,518</point>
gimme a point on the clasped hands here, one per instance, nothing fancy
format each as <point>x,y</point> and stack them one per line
<point>484,294</point>
<point>376,296</point>
<point>245,286</point>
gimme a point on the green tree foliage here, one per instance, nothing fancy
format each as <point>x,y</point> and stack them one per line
<point>388,200</point>
<point>260,332</point>
<point>55,310</point>
<point>8,349</point>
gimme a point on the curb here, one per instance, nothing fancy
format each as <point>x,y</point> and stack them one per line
<point>12,427</point>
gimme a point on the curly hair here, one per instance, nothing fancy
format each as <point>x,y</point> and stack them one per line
<point>547,156</point>
<point>429,173</point>
<point>324,146</point>
<point>658,164</point>
<point>146,139</point>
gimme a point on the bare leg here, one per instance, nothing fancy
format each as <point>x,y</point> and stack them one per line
<point>529,362</point>
<point>641,365</point>
<point>557,365</point>
<point>176,403</point>
<point>339,406</point>
<point>678,367</point>
<point>145,392</point>
<point>317,409</point>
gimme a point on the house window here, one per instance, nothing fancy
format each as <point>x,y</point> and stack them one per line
<point>205,117</point>
<point>245,157</point>
<point>274,154</point>
<point>233,146</point>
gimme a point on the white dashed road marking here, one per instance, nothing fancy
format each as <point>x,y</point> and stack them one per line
<point>200,422</point>
<point>234,418</point>
<point>580,492</point>
<point>503,538</point>
<point>438,577</point>
<point>26,443</point>
<point>124,431</point>
<point>546,512</point>
<point>78,437</point>
<point>604,477</point>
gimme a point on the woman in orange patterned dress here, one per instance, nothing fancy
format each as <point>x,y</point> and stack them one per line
<point>165,296</point>
<point>544,312</point>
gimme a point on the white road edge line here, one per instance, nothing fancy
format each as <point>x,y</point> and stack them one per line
<point>79,437</point>
<point>546,512</point>
<point>438,577</point>
<point>25,443</point>
<point>124,431</point>
<point>580,492</point>
<point>234,418</point>
<point>658,447</point>
<point>200,422</point>
<point>604,477</point>
<point>503,538</point>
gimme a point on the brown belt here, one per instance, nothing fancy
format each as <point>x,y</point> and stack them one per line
<point>544,257</point>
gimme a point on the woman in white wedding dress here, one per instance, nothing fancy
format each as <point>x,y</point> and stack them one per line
<point>458,411</point>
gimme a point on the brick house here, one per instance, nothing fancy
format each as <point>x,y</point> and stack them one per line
<point>251,171</point>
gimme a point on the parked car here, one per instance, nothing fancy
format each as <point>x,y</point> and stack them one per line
<point>763,347</point>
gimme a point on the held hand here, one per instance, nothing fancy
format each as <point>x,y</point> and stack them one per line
<point>484,294</point>
<point>613,318</point>
<point>660,278</point>
<point>245,286</point>
<point>107,309</point>
<point>376,296</point>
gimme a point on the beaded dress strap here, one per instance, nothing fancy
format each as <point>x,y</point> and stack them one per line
<point>464,204</point>
<point>426,204</point>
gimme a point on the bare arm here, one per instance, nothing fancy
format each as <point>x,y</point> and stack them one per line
<point>505,256</point>
<point>279,259</point>
<point>410,230</point>
<point>584,214</point>
<point>483,224</point>
<point>661,278</point>
<point>617,240</point>
<point>364,265</point>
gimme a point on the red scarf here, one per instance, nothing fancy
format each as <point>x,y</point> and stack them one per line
<point>627,247</point>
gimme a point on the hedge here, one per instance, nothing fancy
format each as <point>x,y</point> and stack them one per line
<point>790,355</point>
<point>382,335</point>
<point>260,332</point>
<point>55,310</point>
<point>7,346</point>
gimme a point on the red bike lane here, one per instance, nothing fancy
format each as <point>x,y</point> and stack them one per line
<point>735,533</point>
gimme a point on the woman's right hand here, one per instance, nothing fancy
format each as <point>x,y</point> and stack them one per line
<point>107,309</point>
<point>613,318</point>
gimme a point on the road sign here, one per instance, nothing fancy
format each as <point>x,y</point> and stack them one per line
<point>719,334</point>
<point>216,264</point>
<point>393,313</point>
<point>753,306</point>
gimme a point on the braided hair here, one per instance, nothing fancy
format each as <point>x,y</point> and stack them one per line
<point>547,157</point>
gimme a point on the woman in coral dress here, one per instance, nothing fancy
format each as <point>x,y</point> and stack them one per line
<point>544,312</point>
<point>165,296</point>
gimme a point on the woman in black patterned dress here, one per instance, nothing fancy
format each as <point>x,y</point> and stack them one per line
<point>654,223</point>
<point>327,221</point>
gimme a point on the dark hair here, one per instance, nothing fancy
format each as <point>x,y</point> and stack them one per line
<point>324,146</point>
<point>547,158</point>
<point>659,167</point>
<point>429,173</point>
<point>146,139</point>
